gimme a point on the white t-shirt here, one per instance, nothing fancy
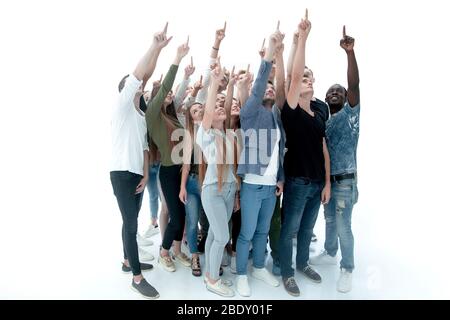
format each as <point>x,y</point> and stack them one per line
<point>206,141</point>
<point>129,131</point>
<point>270,175</point>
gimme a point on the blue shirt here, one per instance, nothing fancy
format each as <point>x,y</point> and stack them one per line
<point>342,133</point>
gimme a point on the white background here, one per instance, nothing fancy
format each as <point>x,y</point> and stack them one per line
<point>60,62</point>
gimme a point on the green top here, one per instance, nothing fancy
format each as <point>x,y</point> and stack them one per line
<point>156,125</point>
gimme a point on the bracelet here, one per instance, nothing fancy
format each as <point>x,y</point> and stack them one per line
<point>217,49</point>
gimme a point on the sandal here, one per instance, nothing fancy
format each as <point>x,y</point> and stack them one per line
<point>195,266</point>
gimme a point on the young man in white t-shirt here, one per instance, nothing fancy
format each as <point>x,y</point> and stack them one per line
<point>129,162</point>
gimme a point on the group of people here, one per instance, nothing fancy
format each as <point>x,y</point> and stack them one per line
<point>248,167</point>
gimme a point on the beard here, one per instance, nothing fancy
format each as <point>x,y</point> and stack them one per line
<point>267,101</point>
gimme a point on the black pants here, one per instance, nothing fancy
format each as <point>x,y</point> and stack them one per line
<point>235,228</point>
<point>124,184</point>
<point>170,179</point>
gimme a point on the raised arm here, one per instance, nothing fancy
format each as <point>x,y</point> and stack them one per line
<point>220,35</point>
<point>181,91</point>
<point>146,65</point>
<point>280,97</point>
<point>229,97</point>
<point>299,63</point>
<point>259,88</point>
<point>154,107</point>
<point>347,43</point>
<point>291,59</point>
<point>216,76</point>
<point>243,84</point>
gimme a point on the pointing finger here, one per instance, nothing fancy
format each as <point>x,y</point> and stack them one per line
<point>278,25</point>
<point>165,28</point>
<point>343,32</point>
<point>224,26</point>
<point>306,14</point>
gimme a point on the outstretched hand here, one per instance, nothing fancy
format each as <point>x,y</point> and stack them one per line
<point>347,43</point>
<point>220,33</point>
<point>160,38</point>
<point>304,27</point>
<point>183,50</point>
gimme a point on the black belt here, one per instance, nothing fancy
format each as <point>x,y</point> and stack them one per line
<point>341,177</point>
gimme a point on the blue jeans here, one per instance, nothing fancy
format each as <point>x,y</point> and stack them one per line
<point>338,217</point>
<point>257,204</point>
<point>192,207</point>
<point>152,188</point>
<point>301,203</point>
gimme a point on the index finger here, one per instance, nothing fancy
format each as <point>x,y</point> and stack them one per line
<point>201,79</point>
<point>278,25</point>
<point>225,26</point>
<point>192,61</point>
<point>187,42</point>
<point>306,14</point>
<point>160,79</point>
<point>248,69</point>
<point>343,32</point>
<point>264,42</point>
<point>232,71</point>
<point>165,28</point>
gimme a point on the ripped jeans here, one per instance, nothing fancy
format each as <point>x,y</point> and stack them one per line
<point>338,217</point>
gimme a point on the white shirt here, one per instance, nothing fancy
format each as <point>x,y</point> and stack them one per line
<point>129,131</point>
<point>206,141</point>
<point>270,175</point>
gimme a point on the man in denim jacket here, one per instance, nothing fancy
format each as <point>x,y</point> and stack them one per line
<point>260,167</point>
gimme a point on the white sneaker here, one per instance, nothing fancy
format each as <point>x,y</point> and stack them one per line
<point>344,283</point>
<point>143,241</point>
<point>323,258</point>
<point>145,255</point>
<point>266,276</point>
<point>220,289</point>
<point>225,282</point>
<point>242,286</point>
<point>151,231</point>
<point>233,264</point>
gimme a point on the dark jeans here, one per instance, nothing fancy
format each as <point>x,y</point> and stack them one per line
<point>235,228</point>
<point>274,232</point>
<point>170,179</point>
<point>301,203</point>
<point>124,184</point>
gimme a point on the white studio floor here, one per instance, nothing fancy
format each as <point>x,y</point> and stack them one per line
<point>79,257</point>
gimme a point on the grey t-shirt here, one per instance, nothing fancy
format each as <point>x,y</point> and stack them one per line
<point>342,134</point>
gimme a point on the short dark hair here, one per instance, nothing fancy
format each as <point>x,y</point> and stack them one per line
<point>122,82</point>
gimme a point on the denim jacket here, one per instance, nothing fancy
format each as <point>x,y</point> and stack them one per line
<point>259,144</point>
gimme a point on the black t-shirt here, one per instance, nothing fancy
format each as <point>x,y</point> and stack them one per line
<point>304,141</point>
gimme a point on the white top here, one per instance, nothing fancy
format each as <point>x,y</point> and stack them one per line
<point>270,175</point>
<point>206,141</point>
<point>129,131</point>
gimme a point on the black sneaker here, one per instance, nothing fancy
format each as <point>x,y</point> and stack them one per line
<point>291,286</point>
<point>314,238</point>
<point>145,289</point>
<point>220,271</point>
<point>311,274</point>
<point>144,267</point>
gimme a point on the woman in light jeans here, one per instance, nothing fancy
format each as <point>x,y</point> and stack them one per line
<point>218,184</point>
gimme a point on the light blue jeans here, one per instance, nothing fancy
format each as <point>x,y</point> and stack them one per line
<point>152,188</point>
<point>257,205</point>
<point>218,208</point>
<point>192,207</point>
<point>338,217</point>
